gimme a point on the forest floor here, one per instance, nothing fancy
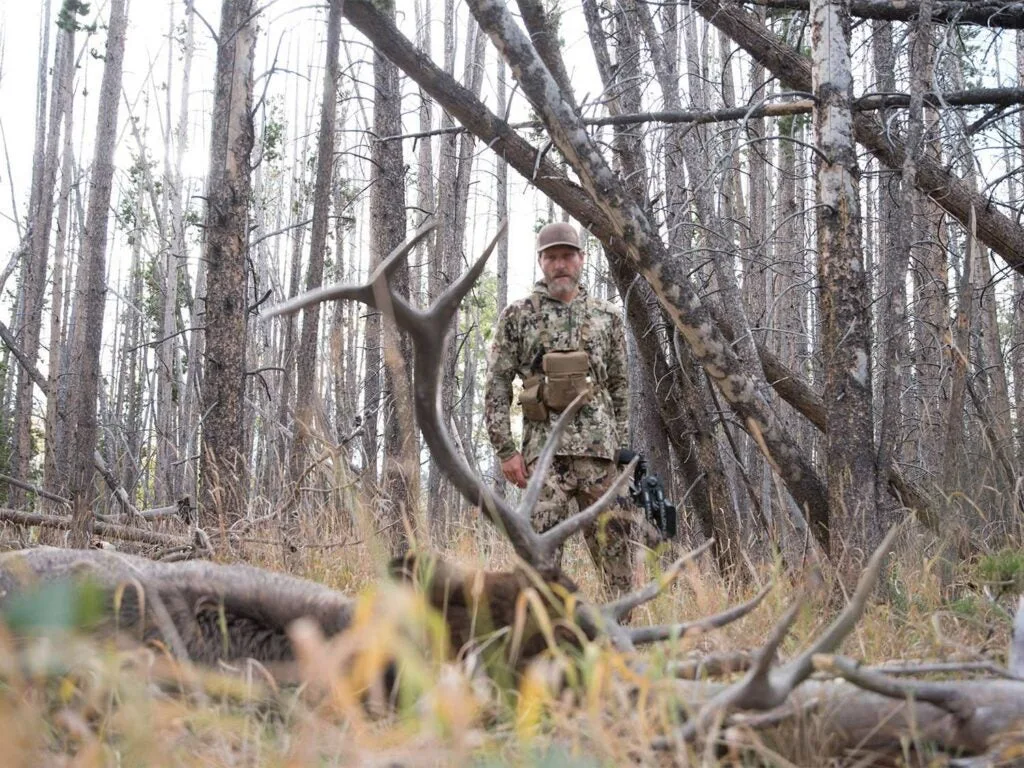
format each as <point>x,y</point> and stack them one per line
<point>70,701</point>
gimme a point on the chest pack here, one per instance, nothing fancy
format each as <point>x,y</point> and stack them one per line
<point>562,376</point>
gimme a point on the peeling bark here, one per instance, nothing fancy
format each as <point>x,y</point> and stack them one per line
<point>844,298</point>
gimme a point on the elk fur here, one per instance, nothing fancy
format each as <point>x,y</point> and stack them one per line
<point>204,611</point>
<point>209,612</point>
<point>474,603</point>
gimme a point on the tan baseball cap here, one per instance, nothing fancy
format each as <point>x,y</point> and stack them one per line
<point>558,233</point>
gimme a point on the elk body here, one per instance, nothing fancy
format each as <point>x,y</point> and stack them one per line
<point>201,611</point>
<point>209,613</point>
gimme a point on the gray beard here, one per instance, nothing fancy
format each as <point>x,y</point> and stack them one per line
<point>562,286</point>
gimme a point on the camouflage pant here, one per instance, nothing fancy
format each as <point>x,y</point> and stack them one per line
<point>574,483</point>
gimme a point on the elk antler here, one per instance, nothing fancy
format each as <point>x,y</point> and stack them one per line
<point>765,687</point>
<point>428,330</point>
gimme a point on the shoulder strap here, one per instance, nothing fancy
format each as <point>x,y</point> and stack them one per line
<point>542,330</point>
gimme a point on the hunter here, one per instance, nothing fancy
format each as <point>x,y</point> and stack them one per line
<point>561,341</point>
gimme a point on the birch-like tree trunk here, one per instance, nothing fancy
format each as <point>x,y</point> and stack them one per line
<point>223,468</point>
<point>845,299</point>
<point>90,288</point>
<point>169,423</point>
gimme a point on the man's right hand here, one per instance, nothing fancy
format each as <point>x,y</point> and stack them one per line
<point>514,469</point>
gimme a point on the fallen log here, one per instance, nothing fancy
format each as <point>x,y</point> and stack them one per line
<point>102,529</point>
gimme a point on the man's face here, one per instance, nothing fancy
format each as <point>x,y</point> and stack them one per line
<point>562,266</point>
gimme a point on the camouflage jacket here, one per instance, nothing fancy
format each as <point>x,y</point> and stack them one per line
<point>538,324</point>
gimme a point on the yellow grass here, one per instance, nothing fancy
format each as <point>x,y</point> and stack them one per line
<point>70,701</point>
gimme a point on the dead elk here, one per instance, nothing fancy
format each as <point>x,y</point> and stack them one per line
<point>209,613</point>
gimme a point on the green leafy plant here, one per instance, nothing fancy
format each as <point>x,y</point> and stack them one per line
<point>1002,571</point>
<point>55,607</point>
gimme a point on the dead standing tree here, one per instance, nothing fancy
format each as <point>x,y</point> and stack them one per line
<point>90,291</point>
<point>399,496</point>
<point>41,209</point>
<point>223,469</point>
<point>307,393</point>
<point>844,295</point>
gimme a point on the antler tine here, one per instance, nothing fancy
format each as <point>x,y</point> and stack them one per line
<point>796,671</point>
<point>754,690</point>
<point>434,322</point>
<point>554,537</point>
<point>763,688</point>
<point>944,695</point>
<point>362,292</point>
<point>655,634</point>
<point>616,609</point>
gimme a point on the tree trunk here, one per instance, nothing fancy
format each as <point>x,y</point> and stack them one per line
<point>426,198</point>
<point>454,165</point>
<point>400,481</point>
<point>1017,349</point>
<point>307,391</point>
<point>223,469</point>
<point>56,460</point>
<point>169,425</point>
<point>844,300</point>
<point>500,214</point>
<point>33,272</point>
<point>90,288</point>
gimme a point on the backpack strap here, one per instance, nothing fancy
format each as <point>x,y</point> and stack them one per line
<point>545,336</point>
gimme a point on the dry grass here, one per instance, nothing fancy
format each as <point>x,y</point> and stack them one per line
<point>69,701</point>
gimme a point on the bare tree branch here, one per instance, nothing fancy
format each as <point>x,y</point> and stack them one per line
<point>986,13</point>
